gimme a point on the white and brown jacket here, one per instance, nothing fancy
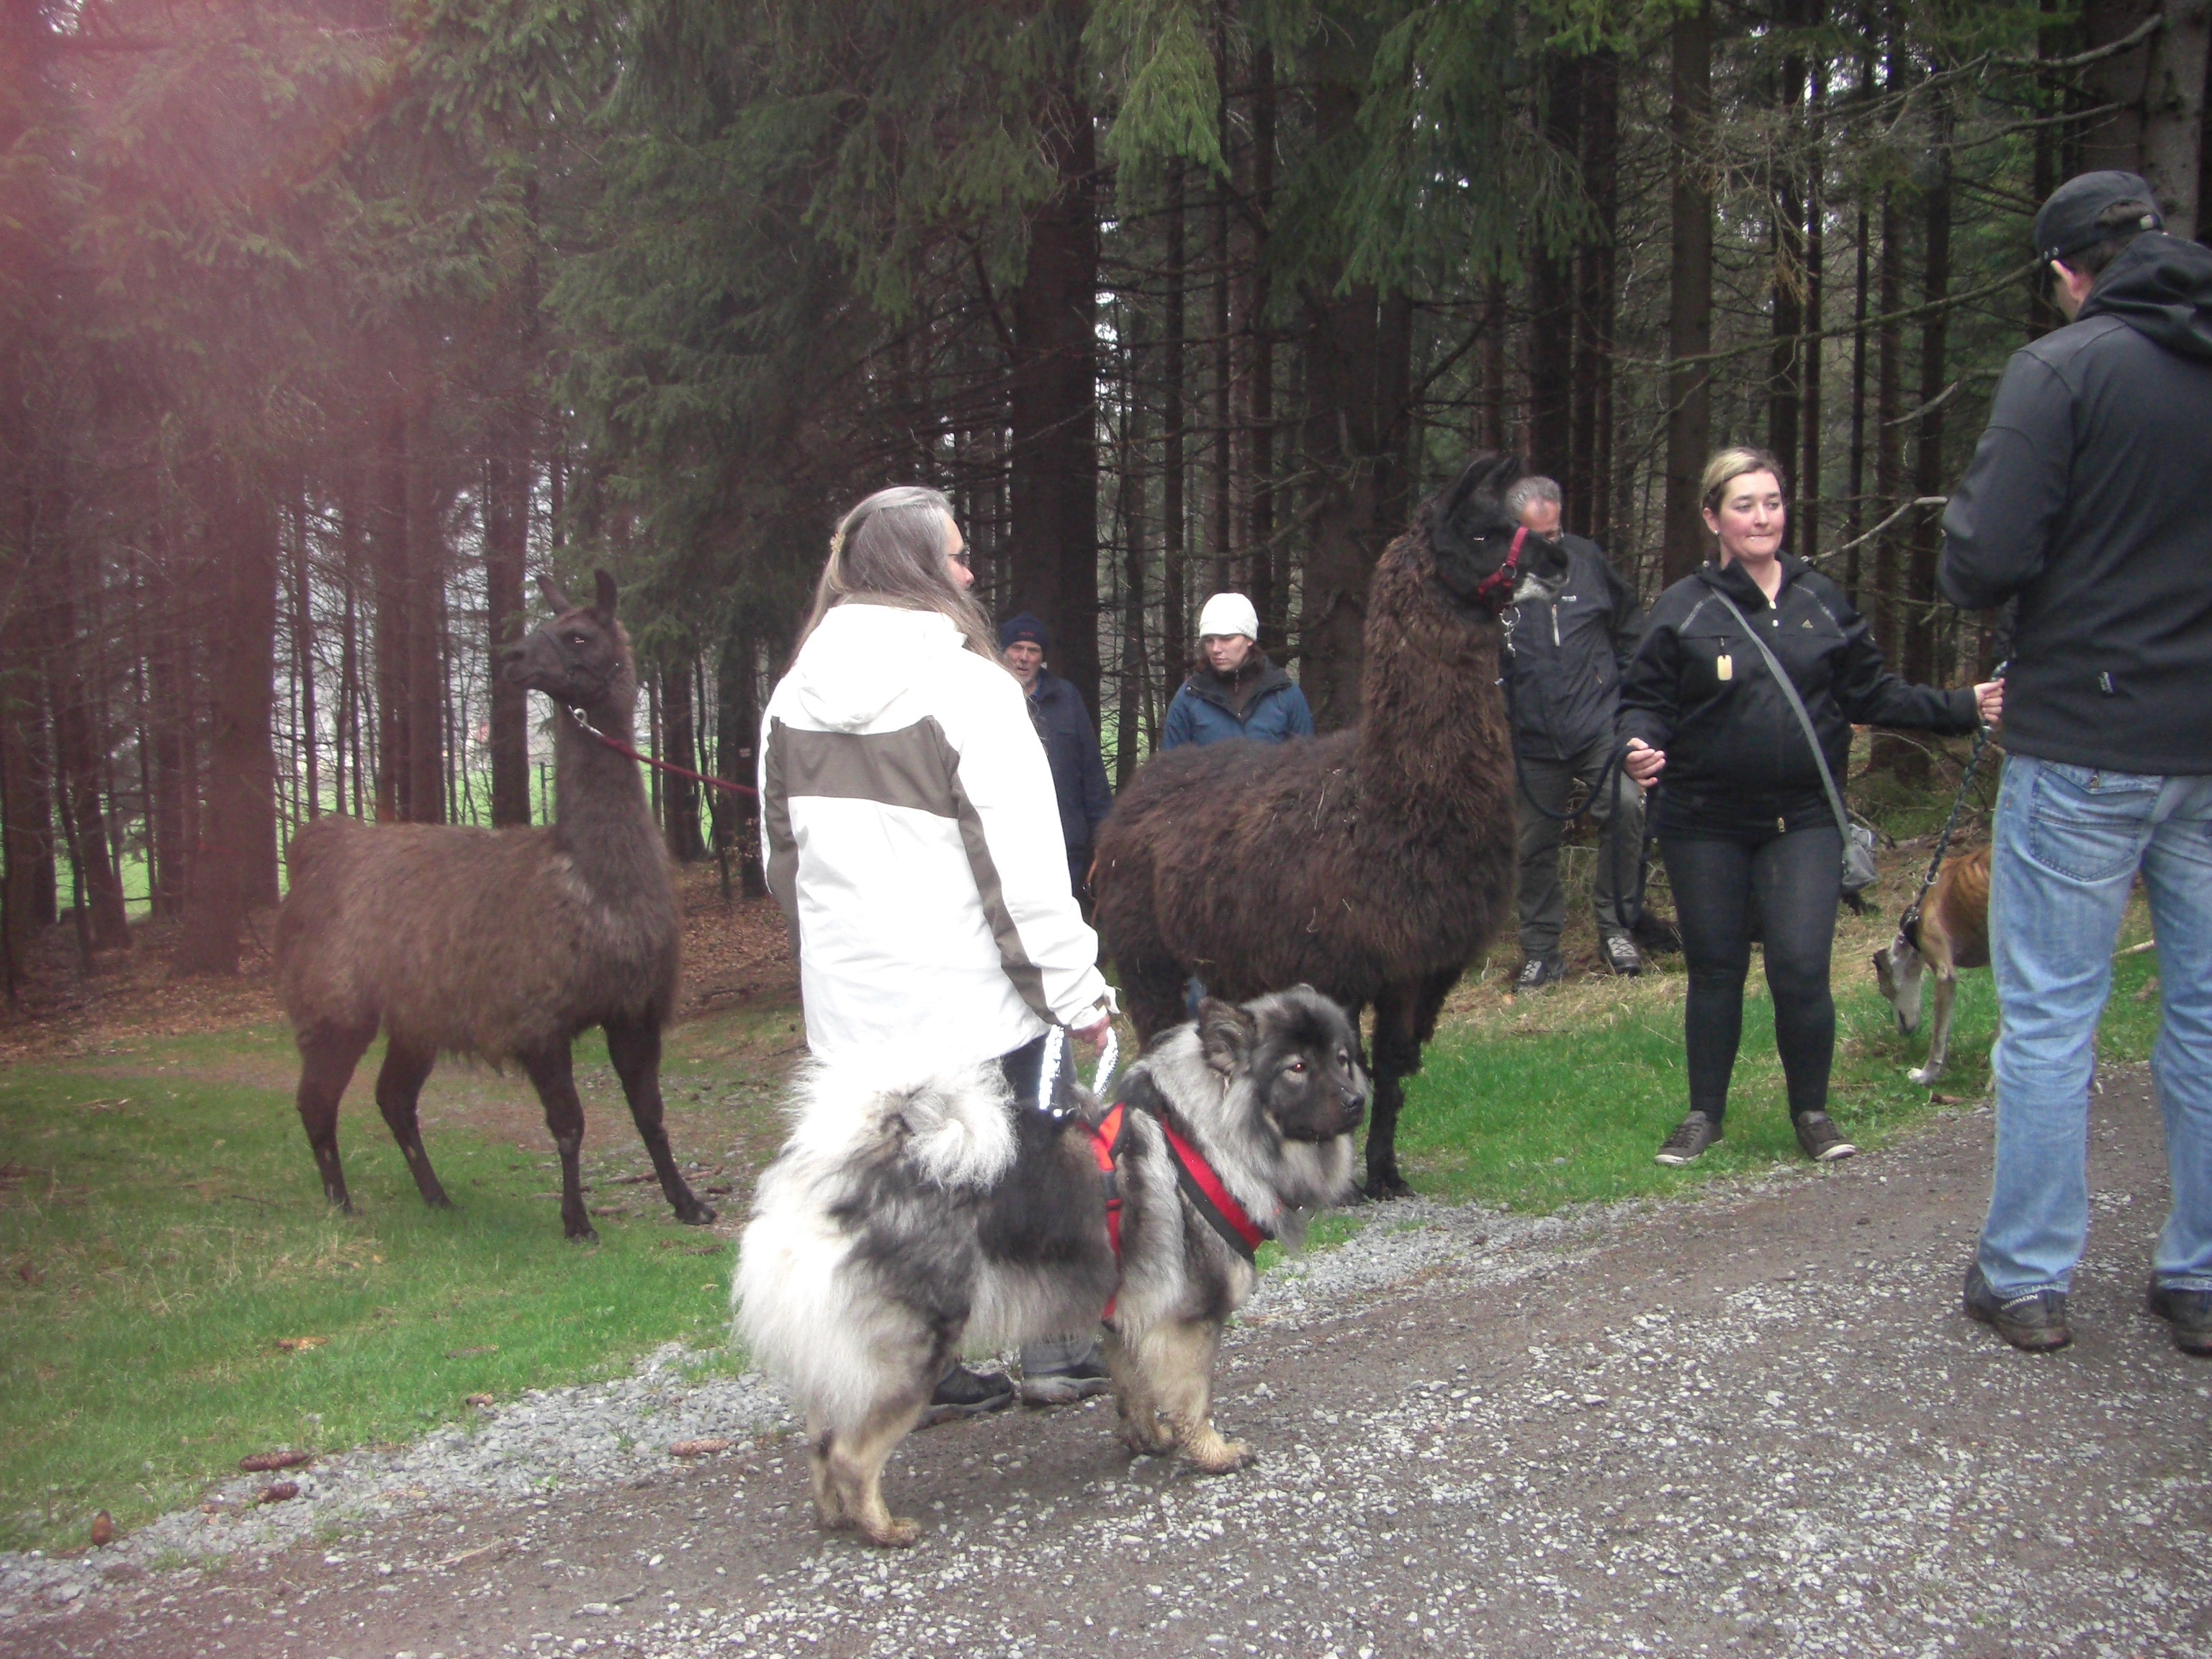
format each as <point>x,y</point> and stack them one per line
<point>912,838</point>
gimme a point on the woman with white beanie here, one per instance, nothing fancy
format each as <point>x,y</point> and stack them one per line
<point>1236,692</point>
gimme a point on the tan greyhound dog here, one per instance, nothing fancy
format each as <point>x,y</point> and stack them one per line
<point>1953,932</point>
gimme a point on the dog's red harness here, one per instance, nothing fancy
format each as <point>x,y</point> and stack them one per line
<point>1207,1193</point>
<point>1496,590</point>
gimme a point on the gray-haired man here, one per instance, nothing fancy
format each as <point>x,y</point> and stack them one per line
<point>1563,680</point>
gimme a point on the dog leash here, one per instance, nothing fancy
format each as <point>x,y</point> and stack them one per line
<point>1909,923</point>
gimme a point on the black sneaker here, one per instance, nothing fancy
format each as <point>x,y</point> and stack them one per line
<point>1823,1143</point>
<point>1085,1378</point>
<point>1691,1136</point>
<point>2189,1313</point>
<point>1537,972</point>
<point>1619,953</point>
<point>963,1393</point>
<point>2035,1320</point>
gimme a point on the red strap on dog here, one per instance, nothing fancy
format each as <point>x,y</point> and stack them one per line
<point>1213,1200</point>
<point>1105,1147</point>
<point>1496,590</point>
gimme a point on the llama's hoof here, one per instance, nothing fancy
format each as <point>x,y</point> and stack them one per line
<point>1154,1440</point>
<point>897,1531</point>
<point>1385,1184</point>
<point>583,1233</point>
<point>1922,1075</point>
<point>696,1213</point>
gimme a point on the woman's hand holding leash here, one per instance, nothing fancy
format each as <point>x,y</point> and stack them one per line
<point>1989,702</point>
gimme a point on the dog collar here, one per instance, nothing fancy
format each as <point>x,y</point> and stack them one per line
<point>1496,590</point>
<point>1207,1193</point>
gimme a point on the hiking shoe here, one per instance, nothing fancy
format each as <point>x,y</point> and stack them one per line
<point>2035,1320</point>
<point>1822,1141</point>
<point>1085,1378</point>
<point>2189,1313</point>
<point>1619,953</point>
<point>963,1393</point>
<point>1537,972</point>
<point>1691,1136</point>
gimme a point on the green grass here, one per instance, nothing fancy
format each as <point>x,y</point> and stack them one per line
<point>160,1228</point>
<point>1540,1102</point>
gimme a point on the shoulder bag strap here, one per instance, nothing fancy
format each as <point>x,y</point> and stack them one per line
<point>1796,707</point>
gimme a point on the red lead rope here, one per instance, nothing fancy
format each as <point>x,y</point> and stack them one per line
<point>622,748</point>
<point>1496,590</point>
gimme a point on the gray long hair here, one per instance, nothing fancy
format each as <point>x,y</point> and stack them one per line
<point>889,550</point>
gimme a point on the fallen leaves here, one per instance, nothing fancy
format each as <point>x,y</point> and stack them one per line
<point>706,1448</point>
<point>266,1463</point>
<point>301,1344</point>
<point>278,1493</point>
<point>483,1399</point>
<point>464,1353</point>
<point>103,1529</point>
<point>1947,1100</point>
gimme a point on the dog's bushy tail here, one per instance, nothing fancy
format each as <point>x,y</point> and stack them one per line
<point>812,1315</point>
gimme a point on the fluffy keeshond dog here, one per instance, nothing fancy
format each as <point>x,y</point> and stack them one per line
<point>907,1219</point>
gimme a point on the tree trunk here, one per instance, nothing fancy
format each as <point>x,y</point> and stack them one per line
<point>506,532</point>
<point>80,718</point>
<point>303,653</point>
<point>1930,474</point>
<point>2173,114</point>
<point>1223,531</point>
<point>2116,141</point>
<point>736,680</point>
<point>680,796</point>
<point>1690,312</point>
<point>1816,258</point>
<point>1589,492</point>
<point>394,607</point>
<point>1174,604</point>
<point>1054,403</point>
<point>240,819</point>
<point>1889,435</point>
<point>1786,246</point>
<point>1267,596</point>
<point>426,576</point>
<point>1552,294</point>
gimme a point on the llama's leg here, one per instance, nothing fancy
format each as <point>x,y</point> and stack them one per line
<point>1153,994</point>
<point>397,1086</point>
<point>550,1074</point>
<point>1135,1398</point>
<point>854,1468</point>
<point>1397,1053</point>
<point>636,1051</point>
<point>1939,1029</point>
<point>328,1054</point>
<point>1180,1356</point>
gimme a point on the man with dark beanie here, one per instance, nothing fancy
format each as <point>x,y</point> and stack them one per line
<point>1070,741</point>
<point>2089,502</point>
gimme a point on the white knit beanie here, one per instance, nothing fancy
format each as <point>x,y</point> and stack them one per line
<point>1228,613</point>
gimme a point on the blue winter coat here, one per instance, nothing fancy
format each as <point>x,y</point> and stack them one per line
<point>1201,713</point>
<point>1071,744</point>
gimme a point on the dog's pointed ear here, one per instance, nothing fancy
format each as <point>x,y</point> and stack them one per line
<point>1226,1035</point>
<point>560,602</point>
<point>606,604</point>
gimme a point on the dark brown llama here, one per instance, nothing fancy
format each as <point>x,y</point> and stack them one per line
<point>1373,864</point>
<point>503,944</point>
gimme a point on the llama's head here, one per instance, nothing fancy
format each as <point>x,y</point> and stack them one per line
<point>1483,560</point>
<point>580,657</point>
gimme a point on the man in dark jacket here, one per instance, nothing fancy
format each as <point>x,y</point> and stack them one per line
<point>1070,741</point>
<point>2089,501</point>
<point>1562,684</point>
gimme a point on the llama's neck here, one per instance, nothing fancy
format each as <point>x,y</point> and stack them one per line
<point>602,819</point>
<point>1433,727</point>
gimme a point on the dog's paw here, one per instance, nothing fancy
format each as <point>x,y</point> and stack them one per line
<point>897,1531</point>
<point>1222,1457</point>
<point>1147,1436</point>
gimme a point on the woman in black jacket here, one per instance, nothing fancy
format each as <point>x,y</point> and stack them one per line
<point>1743,814</point>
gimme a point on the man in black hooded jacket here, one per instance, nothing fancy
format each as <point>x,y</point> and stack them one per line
<point>2089,501</point>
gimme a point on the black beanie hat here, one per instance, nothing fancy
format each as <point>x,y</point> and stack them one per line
<point>1023,627</point>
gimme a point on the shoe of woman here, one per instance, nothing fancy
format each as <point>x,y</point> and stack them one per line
<point>1691,1136</point>
<point>1822,1141</point>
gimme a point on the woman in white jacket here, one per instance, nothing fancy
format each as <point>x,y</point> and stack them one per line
<point>911,831</point>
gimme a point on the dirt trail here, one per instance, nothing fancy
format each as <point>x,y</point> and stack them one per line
<point>1752,1423</point>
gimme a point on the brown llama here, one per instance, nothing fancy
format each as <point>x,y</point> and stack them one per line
<point>1374,863</point>
<point>503,943</point>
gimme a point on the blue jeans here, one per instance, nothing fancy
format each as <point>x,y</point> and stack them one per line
<point>2069,844</point>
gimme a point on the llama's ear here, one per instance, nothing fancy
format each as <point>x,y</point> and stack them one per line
<point>605,606</point>
<point>554,596</point>
<point>1226,1036</point>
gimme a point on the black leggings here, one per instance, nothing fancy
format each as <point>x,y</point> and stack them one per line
<point>1794,879</point>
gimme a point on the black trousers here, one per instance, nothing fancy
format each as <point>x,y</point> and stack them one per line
<point>1795,881</point>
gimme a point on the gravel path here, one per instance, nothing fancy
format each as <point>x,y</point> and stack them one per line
<point>1750,1423</point>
